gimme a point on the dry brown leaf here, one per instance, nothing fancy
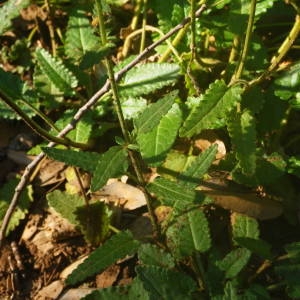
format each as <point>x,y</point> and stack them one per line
<point>248,203</point>
<point>123,194</point>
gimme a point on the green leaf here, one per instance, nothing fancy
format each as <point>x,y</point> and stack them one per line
<point>6,193</point>
<point>288,83</point>
<point>234,262</point>
<point>174,194</point>
<point>291,275</point>
<point>189,234</point>
<point>84,160</point>
<point>10,10</point>
<point>294,166</point>
<point>165,284</point>
<point>117,247</point>
<point>57,73</point>
<point>65,204</point>
<point>155,144</point>
<point>134,291</point>
<point>245,227</point>
<point>190,176</point>
<point>147,78</point>
<point>131,107</point>
<point>256,246</point>
<point>112,164</point>
<point>83,130</point>
<point>17,91</point>
<point>212,110</point>
<point>94,221</point>
<point>241,128</point>
<point>152,255</point>
<point>152,115</point>
<point>231,291</point>
<point>80,38</point>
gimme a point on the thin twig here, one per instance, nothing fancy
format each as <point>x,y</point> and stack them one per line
<point>106,87</point>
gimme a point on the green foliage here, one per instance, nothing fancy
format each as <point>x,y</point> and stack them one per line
<point>10,10</point>
<point>173,114</point>
<point>241,128</point>
<point>112,163</point>
<point>56,72</point>
<point>147,78</point>
<point>65,204</point>
<point>198,168</point>
<point>174,194</point>
<point>115,248</point>
<point>165,284</point>
<point>234,262</point>
<point>154,256</point>
<point>190,233</point>
<point>16,90</point>
<point>74,158</point>
<point>155,144</point>
<point>6,193</point>
<point>151,116</point>
<point>212,110</point>
<point>94,220</point>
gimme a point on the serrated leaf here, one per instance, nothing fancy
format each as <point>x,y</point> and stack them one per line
<point>152,255</point>
<point>83,130</point>
<point>134,291</point>
<point>174,194</point>
<point>288,83</point>
<point>152,115</point>
<point>175,163</point>
<point>165,284</point>
<point>6,193</point>
<point>114,292</point>
<point>190,176</point>
<point>212,110</point>
<point>234,262</point>
<point>268,170</point>
<point>65,204</point>
<point>117,247</point>
<point>256,246</point>
<point>13,88</point>
<point>84,160</point>
<point>80,38</point>
<point>131,107</point>
<point>10,10</point>
<point>230,291</point>
<point>245,227</point>
<point>94,221</point>
<point>112,163</point>
<point>241,128</point>
<point>147,78</point>
<point>57,73</point>
<point>155,144</point>
<point>189,234</point>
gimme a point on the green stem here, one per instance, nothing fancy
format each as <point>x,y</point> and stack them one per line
<point>193,28</point>
<point>249,30</point>
<point>137,12</point>
<point>37,129</point>
<point>117,105</point>
<point>200,271</point>
<point>144,24</point>
<point>282,51</point>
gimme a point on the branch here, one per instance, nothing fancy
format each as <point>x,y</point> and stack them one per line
<point>106,87</point>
